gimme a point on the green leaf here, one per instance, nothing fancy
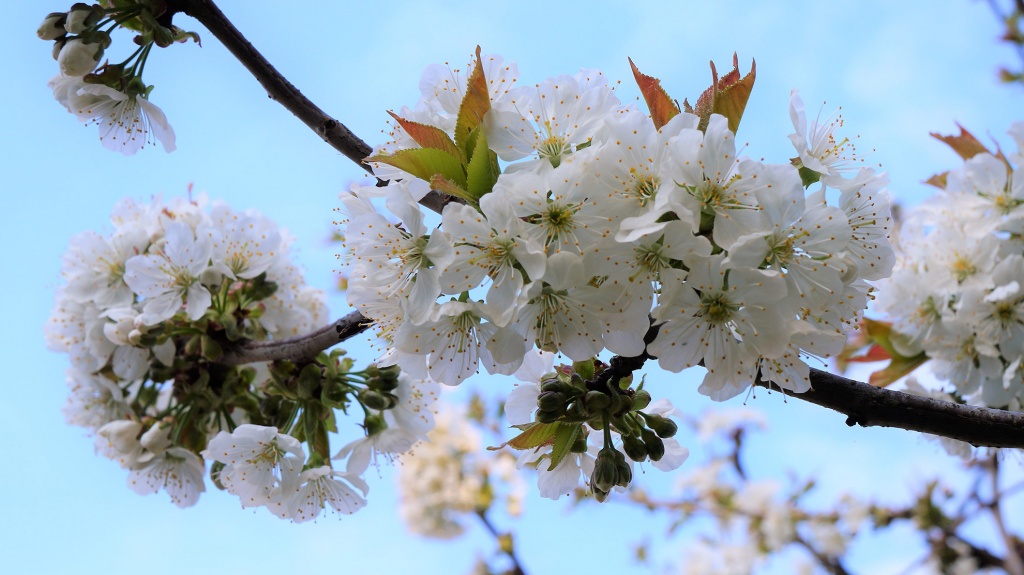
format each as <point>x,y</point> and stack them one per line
<point>585,368</point>
<point>882,334</point>
<point>564,438</point>
<point>443,184</point>
<point>661,106</point>
<point>474,105</point>
<point>429,136</point>
<point>533,435</point>
<point>425,163</point>
<point>482,170</point>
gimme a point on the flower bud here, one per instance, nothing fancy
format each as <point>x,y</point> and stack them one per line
<point>81,18</point>
<point>552,401</point>
<point>634,448</point>
<point>577,412</point>
<point>58,45</point>
<point>641,399</point>
<point>77,58</point>
<point>548,416</point>
<point>623,471</point>
<point>606,474</point>
<point>52,26</point>
<point>655,446</point>
<point>377,400</point>
<point>579,445</point>
<point>663,426</point>
<point>597,401</point>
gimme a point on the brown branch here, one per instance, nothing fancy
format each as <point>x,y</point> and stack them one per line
<point>298,348</point>
<point>869,406</point>
<point>282,91</point>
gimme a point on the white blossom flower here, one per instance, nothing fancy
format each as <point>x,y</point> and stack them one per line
<point>320,487</point>
<point>253,456</point>
<point>176,470</point>
<point>126,122</point>
<point>169,278</point>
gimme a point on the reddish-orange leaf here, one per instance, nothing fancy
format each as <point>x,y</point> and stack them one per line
<point>662,107</point>
<point>727,95</point>
<point>965,145</point>
<point>428,136</point>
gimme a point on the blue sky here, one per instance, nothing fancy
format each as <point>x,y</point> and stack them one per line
<point>899,72</point>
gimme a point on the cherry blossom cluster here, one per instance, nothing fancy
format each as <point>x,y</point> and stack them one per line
<point>113,95</point>
<point>579,220</point>
<point>957,291</point>
<point>147,317</point>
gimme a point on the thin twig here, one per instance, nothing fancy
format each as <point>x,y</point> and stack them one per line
<point>1012,563</point>
<point>284,92</point>
<point>517,569</point>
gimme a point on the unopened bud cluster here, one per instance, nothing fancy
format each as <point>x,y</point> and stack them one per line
<point>587,417</point>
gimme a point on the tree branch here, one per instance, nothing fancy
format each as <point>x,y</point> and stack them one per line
<point>303,347</point>
<point>869,406</point>
<point>283,92</point>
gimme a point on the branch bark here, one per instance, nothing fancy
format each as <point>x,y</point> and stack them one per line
<point>284,92</point>
<point>863,404</point>
<point>300,348</point>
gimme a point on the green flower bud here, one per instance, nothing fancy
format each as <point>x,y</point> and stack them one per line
<point>663,426</point>
<point>606,474</point>
<point>559,386</point>
<point>634,448</point>
<point>597,401</point>
<point>552,401</point>
<point>641,400</point>
<point>579,445</point>
<point>377,400</point>
<point>549,416</point>
<point>623,471</point>
<point>655,446</point>
<point>577,412</point>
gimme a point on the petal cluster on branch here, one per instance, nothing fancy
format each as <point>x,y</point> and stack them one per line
<point>143,316</point>
<point>596,221</point>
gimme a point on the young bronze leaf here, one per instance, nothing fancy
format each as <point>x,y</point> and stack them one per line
<point>727,95</point>
<point>474,105</point>
<point>938,180</point>
<point>564,438</point>
<point>424,163</point>
<point>965,145</point>
<point>662,107</point>
<point>428,136</point>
